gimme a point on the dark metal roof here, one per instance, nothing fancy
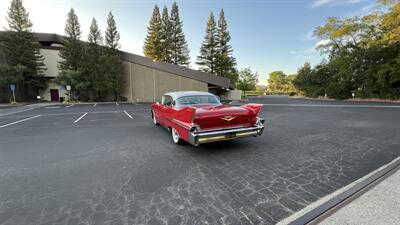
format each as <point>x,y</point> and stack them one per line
<point>46,38</point>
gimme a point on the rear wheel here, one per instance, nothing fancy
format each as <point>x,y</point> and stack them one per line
<point>175,136</point>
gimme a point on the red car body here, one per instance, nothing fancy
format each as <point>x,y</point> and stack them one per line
<point>199,117</point>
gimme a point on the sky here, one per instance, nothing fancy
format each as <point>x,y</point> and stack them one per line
<point>267,35</point>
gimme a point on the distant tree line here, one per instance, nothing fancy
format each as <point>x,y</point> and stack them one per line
<point>363,56</point>
<point>280,83</point>
<point>165,41</point>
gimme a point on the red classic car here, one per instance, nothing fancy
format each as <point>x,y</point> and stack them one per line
<point>199,117</point>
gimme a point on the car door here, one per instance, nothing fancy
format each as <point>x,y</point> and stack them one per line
<point>165,105</point>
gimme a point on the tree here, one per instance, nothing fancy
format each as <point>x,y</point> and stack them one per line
<point>71,52</point>
<point>225,62</point>
<point>247,80</point>
<point>22,48</point>
<point>75,80</point>
<point>279,82</point>
<point>363,56</point>
<point>111,63</point>
<point>208,51</point>
<point>391,26</point>
<point>301,82</point>
<point>152,45</point>
<point>9,75</point>
<point>166,36</point>
<point>112,35</point>
<point>180,50</point>
<point>91,67</point>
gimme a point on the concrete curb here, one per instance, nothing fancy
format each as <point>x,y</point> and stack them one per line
<point>322,205</point>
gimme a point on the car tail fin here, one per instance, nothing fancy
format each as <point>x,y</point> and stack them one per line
<point>186,115</point>
<point>256,108</point>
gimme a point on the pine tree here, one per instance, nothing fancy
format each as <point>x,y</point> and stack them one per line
<point>94,38</point>
<point>92,76</point>
<point>166,36</point>
<point>180,50</point>
<point>111,63</point>
<point>208,51</point>
<point>71,52</point>
<point>22,48</point>
<point>225,62</point>
<point>152,45</point>
<point>112,34</point>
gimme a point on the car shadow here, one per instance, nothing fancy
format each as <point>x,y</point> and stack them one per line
<point>230,146</point>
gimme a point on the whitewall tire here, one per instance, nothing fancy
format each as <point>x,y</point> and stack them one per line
<point>175,136</point>
<point>154,118</point>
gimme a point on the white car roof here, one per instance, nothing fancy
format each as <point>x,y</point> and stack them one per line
<point>178,94</point>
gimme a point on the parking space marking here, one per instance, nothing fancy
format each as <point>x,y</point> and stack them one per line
<point>77,120</point>
<point>24,110</point>
<point>53,107</point>
<point>126,113</point>
<point>94,105</point>
<point>69,106</point>
<point>19,121</point>
<point>116,103</point>
<point>337,106</point>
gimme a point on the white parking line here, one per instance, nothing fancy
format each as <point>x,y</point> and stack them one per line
<point>77,120</point>
<point>24,110</point>
<point>128,114</point>
<point>69,106</point>
<point>116,103</point>
<point>19,121</point>
<point>94,105</point>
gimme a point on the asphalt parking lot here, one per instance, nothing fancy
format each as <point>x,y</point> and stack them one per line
<point>108,164</point>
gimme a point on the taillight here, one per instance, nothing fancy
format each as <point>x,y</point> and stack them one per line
<point>195,129</point>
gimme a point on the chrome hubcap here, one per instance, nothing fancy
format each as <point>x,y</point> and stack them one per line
<point>154,118</point>
<point>175,136</point>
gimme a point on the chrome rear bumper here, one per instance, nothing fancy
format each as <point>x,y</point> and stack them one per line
<point>228,134</point>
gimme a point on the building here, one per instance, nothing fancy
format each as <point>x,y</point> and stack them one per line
<point>145,80</point>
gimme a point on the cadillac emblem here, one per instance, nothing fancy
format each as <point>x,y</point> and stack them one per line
<point>228,118</point>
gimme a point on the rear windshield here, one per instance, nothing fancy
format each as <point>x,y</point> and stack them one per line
<point>196,100</point>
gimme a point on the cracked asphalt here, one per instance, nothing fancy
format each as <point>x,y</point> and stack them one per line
<point>110,169</point>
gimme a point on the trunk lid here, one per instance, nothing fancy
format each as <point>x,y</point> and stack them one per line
<point>222,117</point>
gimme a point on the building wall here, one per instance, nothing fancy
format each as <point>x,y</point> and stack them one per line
<point>45,94</point>
<point>143,84</point>
<point>148,84</point>
<point>51,59</point>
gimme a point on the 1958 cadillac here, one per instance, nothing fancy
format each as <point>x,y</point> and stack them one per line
<point>199,117</point>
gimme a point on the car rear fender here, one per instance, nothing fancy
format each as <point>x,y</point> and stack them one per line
<point>255,108</point>
<point>183,120</point>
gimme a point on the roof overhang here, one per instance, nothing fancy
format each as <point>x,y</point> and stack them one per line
<point>47,39</point>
